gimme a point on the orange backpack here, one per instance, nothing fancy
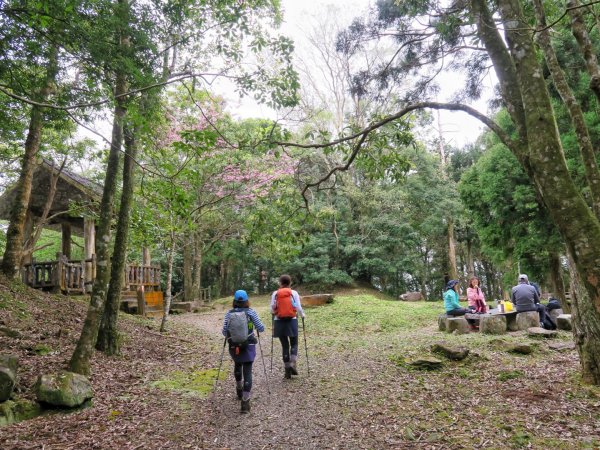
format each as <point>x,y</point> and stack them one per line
<point>284,304</point>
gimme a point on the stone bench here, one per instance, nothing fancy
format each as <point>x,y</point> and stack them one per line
<point>526,320</point>
<point>554,313</point>
<point>493,324</point>
<point>563,322</point>
<point>458,324</point>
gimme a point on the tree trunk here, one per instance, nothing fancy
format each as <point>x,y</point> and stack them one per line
<point>14,235</point>
<point>168,296</point>
<point>452,270</point>
<point>577,225</point>
<point>108,341</point>
<point>588,155</point>
<point>80,361</point>
<point>470,261</point>
<point>197,283</point>
<point>585,45</point>
<point>189,294</point>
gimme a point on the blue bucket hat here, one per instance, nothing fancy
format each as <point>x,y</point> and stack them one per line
<point>240,296</point>
<point>451,284</point>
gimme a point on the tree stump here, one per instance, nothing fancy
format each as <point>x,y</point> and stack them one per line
<point>563,322</point>
<point>8,376</point>
<point>458,324</point>
<point>526,320</point>
<point>493,324</point>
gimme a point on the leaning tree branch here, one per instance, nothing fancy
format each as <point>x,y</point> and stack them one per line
<point>5,89</point>
<point>363,134</point>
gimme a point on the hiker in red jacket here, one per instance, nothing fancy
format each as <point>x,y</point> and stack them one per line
<point>285,306</point>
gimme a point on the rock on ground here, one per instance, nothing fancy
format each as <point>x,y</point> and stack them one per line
<point>426,363</point>
<point>63,389</point>
<point>453,353</point>
<point>8,376</point>
<point>541,332</point>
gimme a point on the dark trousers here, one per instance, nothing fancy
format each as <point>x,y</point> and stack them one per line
<point>243,370</point>
<point>289,344</point>
<point>458,312</point>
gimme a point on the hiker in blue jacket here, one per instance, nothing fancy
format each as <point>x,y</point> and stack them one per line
<point>451,300</point>
<point>242,353</point>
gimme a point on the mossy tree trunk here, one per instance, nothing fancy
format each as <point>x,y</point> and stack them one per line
<point>108,341</point>
<point>14,235</point>
<point>80,360</point>
<point>540,152</point>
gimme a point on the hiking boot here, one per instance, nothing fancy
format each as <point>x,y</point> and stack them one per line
<point>288,373</point>
<point>238,391</point>
<point>245,406</point>
<point>293,368</point>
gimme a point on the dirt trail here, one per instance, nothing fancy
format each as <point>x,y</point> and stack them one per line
<point>305,412</point>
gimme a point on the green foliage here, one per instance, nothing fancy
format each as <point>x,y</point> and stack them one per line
<point>511,224</point>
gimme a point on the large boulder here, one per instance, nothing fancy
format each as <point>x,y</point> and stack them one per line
<point>317,299</point>
<point>8,376</point>
<point>450,352</point>
<point>457,325</point>
<point>526,320</point>
<point>411,296</point>
<point>63,389</point>
<point>563,322</point>
<point>492,324</point>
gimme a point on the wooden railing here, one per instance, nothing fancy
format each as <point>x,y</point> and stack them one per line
<point>141,275</point>
<point>70,277</point>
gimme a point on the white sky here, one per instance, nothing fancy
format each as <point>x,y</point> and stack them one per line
<point>458,128</point>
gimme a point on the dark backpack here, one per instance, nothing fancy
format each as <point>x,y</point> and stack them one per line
<point>239,329</point>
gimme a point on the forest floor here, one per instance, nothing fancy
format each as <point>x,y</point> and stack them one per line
<point>360,392</point>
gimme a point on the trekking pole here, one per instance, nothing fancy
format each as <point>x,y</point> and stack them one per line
<point>262,356</point>
<point>305,346</point>
<point>272,339</point>
<point>220,364</point>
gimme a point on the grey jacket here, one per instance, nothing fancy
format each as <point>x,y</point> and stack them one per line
<point>525,297</point>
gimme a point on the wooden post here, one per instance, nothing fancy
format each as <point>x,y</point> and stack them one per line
<point>89,241</point>
<point>66,239</point>
<point>58,275</point>
<point>141,301</point>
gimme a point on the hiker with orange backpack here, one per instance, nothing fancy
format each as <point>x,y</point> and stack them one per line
<point>238,328</point>
<point>285,307</point>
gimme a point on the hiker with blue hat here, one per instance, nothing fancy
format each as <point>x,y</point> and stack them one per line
<point>451,300</point>
<point>238,328</point>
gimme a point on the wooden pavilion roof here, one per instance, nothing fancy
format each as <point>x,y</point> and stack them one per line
<point>70,188</point>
